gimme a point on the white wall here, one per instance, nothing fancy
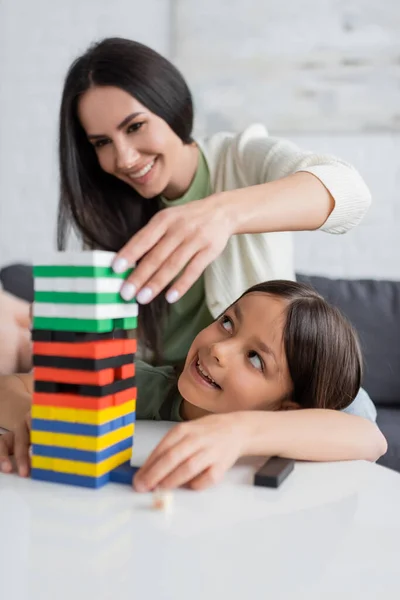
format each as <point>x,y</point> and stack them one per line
<point>373,248</point>
<point>325,74</point>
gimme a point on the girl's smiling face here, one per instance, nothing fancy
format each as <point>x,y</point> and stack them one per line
<point>134,144</point>
<point>239,362</point>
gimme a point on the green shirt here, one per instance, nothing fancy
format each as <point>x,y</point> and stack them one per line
<point>158,397</point>
<point>190,314</point>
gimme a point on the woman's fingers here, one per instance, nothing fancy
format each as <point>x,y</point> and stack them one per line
<point>179,238</point>
<point>141,243</point>
<point>190,275</point>
<point>184,258</point>
<point>158,268</point>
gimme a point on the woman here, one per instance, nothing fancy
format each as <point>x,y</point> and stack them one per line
<point>132,177</point>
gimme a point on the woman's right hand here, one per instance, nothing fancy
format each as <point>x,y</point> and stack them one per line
<point>16,443</point>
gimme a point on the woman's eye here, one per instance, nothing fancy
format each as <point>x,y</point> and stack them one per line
<point>226,323</point>
<point>256,360</point>
<point>101,143</point>
<point>134,127</point>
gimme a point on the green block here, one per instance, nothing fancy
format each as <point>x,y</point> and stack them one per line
<point>85,325</point>
<point>78,271</point>
<point>81,298</point>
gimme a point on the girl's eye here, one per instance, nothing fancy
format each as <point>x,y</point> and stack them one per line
<point>100,143</point>
<point>256,360</point>
<point>134,127</point>
<point>226,323</point>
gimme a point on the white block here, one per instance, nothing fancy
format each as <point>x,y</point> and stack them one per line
<point>94,258</point>
<point>78,284</point>
<point>85,311</point>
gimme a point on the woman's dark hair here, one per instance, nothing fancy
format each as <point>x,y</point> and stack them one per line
<point>104,211</point>
<point>322,348</point>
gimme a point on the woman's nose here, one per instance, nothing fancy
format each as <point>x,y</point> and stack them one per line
<point>126,158</point>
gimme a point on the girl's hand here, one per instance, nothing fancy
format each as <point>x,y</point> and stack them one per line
<point>16,443</point>
<point>196,453</point>
<point>181,238</point>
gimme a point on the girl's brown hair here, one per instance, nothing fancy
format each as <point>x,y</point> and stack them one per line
<point>322,348</point>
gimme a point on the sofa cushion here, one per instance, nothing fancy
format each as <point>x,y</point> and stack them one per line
<point>388,422</point>
<point>373,307</point>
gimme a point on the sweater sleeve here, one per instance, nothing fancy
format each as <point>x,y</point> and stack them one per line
<point>264,159</point>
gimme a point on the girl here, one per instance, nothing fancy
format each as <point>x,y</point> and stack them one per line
<point>278,349</point>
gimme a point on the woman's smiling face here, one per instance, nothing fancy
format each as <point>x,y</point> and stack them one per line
<point>239,362</point>
<point>134,144</point>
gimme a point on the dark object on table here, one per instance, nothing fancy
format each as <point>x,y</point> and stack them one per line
<point>274,472</point>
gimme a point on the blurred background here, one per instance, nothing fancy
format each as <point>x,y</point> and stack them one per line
<point>324,74</point>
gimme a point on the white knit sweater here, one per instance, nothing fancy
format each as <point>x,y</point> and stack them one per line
<point>251,158</point>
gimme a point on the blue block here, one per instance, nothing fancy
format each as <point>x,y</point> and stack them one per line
<point>87,456</point>
<point>68,478</point>
<point>82,428</point>
<point>123,473</point>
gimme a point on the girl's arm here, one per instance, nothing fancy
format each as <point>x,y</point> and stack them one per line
<point>199,452</point>
<point>312,434</point>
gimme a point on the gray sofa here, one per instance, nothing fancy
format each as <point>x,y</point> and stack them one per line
<point>374,309</point>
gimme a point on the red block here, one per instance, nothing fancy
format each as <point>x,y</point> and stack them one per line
<point>103,377</point>
<point>95,350</point>
<point>88,402</point>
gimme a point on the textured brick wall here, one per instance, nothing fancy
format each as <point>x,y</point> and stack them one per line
<point>326,75</point>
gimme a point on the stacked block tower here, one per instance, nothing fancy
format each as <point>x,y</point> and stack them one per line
<point>83,413</point>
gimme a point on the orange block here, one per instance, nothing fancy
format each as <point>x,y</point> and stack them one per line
<point>88,402</point>
<point>94,350</point>
<point>103,377</point>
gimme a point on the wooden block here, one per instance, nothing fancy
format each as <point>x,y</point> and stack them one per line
<point>75,454</point>
<point>79,467</point>
<point>81,298</point>
<point>274,472</point>
<point>94,350</point>
<point>85,311</point>
<point>83,416</point>
<point>74,401</point>
<point>78,284</point>
<point>82,442</point>
<point>76,428</point>
<point>80,337</point>
<point>85,325</point>
<point>79,377</point>
<point>51,387</point>
<point>82,364</point>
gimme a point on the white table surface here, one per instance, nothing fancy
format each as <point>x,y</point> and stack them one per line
<point>330,531</point>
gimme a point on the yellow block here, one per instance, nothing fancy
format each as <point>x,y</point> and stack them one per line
<point>81,468</point>
<point>85,417</point>
<point>82,442</point>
